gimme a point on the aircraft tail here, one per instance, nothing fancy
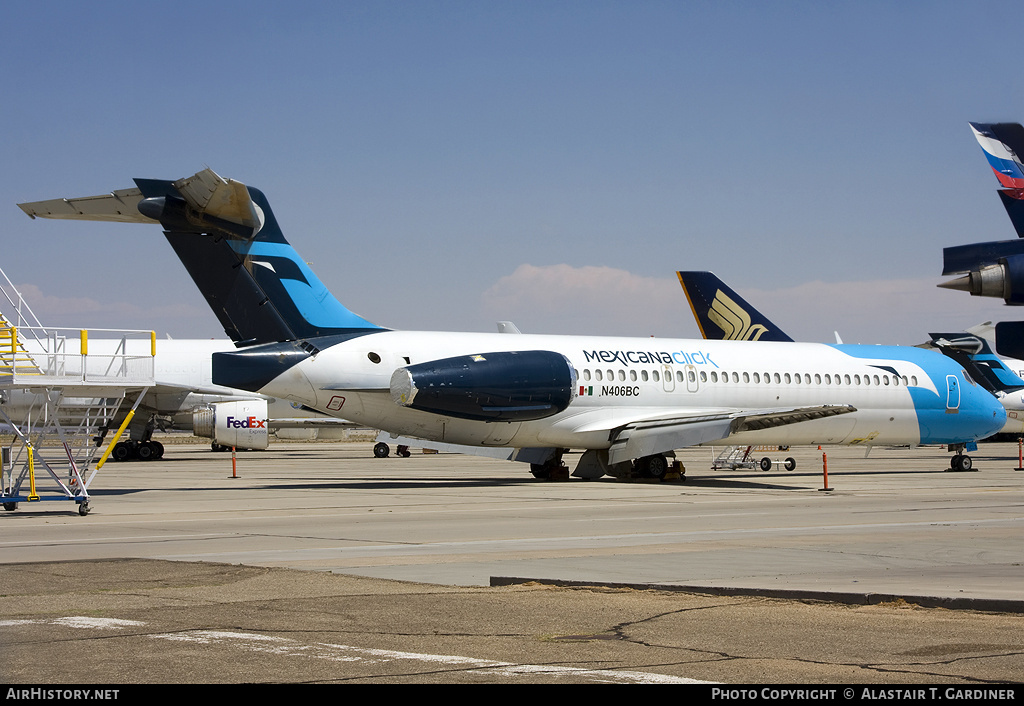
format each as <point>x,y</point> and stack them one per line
<point>1003,143</point>
<point>975,354</point>
<point>722,314</point>
<point>227,237</point>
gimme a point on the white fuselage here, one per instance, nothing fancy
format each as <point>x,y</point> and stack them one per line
<point>902,395</point>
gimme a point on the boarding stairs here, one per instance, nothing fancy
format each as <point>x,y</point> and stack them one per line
<point>59,400</point>
<point>745,457</point>
<point>733,457</point>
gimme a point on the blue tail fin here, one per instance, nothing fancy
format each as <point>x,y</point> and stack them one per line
<point>976,356</point>
<point>722,314</point>
<point>232,246</point>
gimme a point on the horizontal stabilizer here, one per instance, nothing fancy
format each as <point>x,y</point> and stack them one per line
<point>120,206</point>
<point>210,194</point>
<point>226,236</point>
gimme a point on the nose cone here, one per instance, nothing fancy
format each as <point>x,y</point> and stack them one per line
<point>987,415</point>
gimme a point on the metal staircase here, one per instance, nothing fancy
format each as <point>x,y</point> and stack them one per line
<point>59,400</point>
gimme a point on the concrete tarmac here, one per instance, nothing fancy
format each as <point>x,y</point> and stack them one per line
<point>715,579</point>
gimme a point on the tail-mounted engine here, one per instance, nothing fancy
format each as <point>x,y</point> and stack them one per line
<point>511,386</point>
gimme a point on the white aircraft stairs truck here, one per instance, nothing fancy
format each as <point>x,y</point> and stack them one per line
<point>60,403</point>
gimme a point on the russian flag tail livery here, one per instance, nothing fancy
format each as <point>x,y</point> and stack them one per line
<point>722,314</point>
<point>1003,143</point>
<point>231,244</point>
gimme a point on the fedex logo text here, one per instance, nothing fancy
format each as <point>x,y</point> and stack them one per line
<point>247,423</point>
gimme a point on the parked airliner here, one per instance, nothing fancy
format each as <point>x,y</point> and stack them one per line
<point>722,314</point>
<point>628,402</point>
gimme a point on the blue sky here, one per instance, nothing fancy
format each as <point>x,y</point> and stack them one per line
<point>443,165</point>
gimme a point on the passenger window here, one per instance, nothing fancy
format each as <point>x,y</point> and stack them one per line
<point>586,374</point>
<point>655,376</point>
<point>817,378</point>
<point>622,375</point>
<point>757,377</point>
<point>746,377</point>
<point>679,376</point>
<point>828,379</point>
<point>846,379</point>
<point>778,379</point>
<point>714,376</point>
<point>703,376</point>
<point>598,376</point>
<point>692,375</point>
<point>735,377</point>
<point>643,375</point>
<point>632,375</point>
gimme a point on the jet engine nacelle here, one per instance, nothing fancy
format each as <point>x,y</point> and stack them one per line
<point>241,424</point>
<point>513,386</point>
<point>1004,278</point>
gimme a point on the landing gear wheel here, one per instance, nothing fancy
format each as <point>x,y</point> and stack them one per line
<point>158,449</point>
<point>790,463</point>
<point>122,451</point>
<point>381,450</point>
<point>540,470</point>
<point>961,462</point>
<point>765,464</point>
<point>657,466</point>
<point>145,451</point>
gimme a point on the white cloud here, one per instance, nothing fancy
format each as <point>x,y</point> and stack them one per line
<point>567,299</point>
<point>142,313</point>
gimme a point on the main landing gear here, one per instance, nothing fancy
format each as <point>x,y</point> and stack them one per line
<point>655,466</point>
<point>553,468</point>
<point>382,450</point>
<point>137,450</point>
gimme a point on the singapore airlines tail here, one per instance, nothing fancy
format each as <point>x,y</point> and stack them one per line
<point>724,315</point>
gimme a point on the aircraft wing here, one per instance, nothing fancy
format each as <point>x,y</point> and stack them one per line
<point>657,435</point>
